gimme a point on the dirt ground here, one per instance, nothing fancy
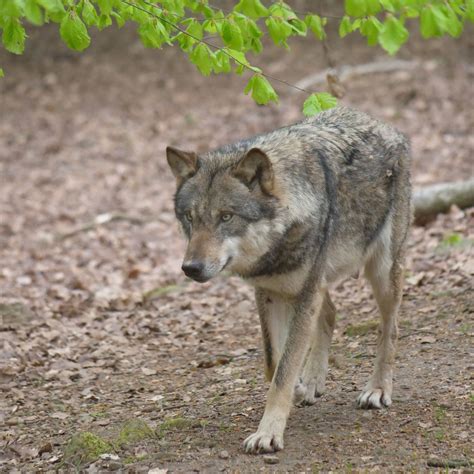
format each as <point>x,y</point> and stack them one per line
<point>102,334</point>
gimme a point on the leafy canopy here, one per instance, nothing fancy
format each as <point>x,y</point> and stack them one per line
<point>217,41</point>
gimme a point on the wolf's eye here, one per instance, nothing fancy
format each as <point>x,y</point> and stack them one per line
<point>188,216</point>
<point>226,217</point>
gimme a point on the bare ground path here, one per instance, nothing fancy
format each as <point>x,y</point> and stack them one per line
<point>100,332</point>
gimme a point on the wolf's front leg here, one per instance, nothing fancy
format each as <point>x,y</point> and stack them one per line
<point>269,436</point>
<point>275,316</point>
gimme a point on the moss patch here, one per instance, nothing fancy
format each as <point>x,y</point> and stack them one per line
<point>133,459</point>
<point>134,431</point>
<point>361,329</point>
<point>174,424</point>
<point>84,448</point>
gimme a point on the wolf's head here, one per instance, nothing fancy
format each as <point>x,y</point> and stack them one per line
<point>226,206</point>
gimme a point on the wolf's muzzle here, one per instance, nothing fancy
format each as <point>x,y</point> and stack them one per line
<point>194,270</point>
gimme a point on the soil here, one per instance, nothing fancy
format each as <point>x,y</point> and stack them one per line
<point>99,327</point>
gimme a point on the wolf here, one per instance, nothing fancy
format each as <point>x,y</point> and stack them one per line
<point>292,212</point>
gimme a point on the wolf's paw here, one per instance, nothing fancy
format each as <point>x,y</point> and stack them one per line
<point>374,398</point>
<point>269,436</point>
<point>263,441</point>
<point>307,393</point>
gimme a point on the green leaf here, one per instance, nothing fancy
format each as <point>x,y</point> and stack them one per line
<point>195,29</point>
<point>52,6</point>
<point>153,34</point>
<point>392,35</point>
<point>138,16</point>
<point>221,62</point>
<point>261,90</point>
<point>253,30</point>
<point>232,35</point>
<point>89,14</point>
<point>316,103</point>
<point>252,8</point>
<point>357,23</point>
<point>454,26</point>
<point>440,18</point>
<point>452,240</point>
<point>74,32</point>
<point>411,12</point>
<point>355,7</point>
<point>241,61</point>
<point>203,58</point>
<point>428,26</point>
<point>256,45</point>
<point>326,100</point>
<point>345,27</point>
<point>470,10</point>
<point>194,33</point>
<point>458,6</point>
<point>13,36</point>
<point>174,6</point>
<point>210,26</point>
<point>279,30</point>
<point>316,24</point>
<point>298,26</point>
<point>371,28</point>
<point>435,20</point>
<point>372,7</point>
<point>2,74</point>
<point>118,18</point>
<point>105,6</point>
<point>33,13</point>
<point>104,21</point>
<point>11,8</point>
<point>388,5</point>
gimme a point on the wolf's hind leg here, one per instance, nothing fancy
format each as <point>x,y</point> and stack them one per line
<point>312,382</point>
<point>385,275</point>
<point>275,316</point>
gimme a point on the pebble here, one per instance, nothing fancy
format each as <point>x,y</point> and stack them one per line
<point>224,455</point>
<point>269,459</point>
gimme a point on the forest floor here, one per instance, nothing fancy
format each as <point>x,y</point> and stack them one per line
<point>102,334</point>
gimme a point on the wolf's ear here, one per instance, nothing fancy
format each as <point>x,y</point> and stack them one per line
<point>183,164</point>
<point>255,166</point>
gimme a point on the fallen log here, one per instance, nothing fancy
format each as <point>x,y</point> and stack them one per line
<point>346,72</point>
<point>438,198</point>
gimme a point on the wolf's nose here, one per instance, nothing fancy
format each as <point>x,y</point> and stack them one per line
<point>192,269</point>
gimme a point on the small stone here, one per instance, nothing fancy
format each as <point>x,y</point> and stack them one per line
<point>269,459</point>
<point>46,448</point>
<point>109,457</point>
<point>147,371</point>
<point>114,465</point>
<point>224,455</point>
<point>428,340</point>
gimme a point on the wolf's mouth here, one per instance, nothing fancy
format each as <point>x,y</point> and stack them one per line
<point>204,278</point>
<point>200,279</point>
<point>226,263</point>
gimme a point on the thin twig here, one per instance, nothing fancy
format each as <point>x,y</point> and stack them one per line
<point>327,54</point>
<point>102,219</point>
